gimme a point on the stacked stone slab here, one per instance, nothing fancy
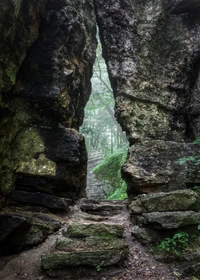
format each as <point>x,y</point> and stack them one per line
<point>153,213</point>
<point>91,244</point>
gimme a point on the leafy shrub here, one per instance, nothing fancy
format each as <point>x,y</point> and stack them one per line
<point>176,244</point>
<point>109,171</point>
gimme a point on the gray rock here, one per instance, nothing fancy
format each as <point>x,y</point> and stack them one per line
<point>9,223</point>
<point>97,258</point>
<point>42,199</point>
<point>161,202</point>
<point>103,208</point>
<point>84,230</point>
<point>92,244</point>
<point>57,157</point>
<point>148,57</point>
<point>23,229</point>
<point>169,220</point>
<point>145,235</point>
<point>152,166</point>
<point>151,57</point>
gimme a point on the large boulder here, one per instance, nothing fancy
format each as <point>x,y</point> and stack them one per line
<point>57,156</point>
<point>168,220</point>
<point>21,229</point>
<point>41,199</point>
<point>164,202</point>
<point>54,81</point>
<point>154,166</point>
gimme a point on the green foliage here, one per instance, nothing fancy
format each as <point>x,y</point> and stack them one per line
<point>98,268</point>
<point>196,189</point>
<point>176,244</point>
<point>109,171</point>
<point>100,128</point>
<point>197,140</point>
<point>194,159</point>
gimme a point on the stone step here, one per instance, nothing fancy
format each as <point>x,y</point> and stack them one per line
<point>103,208</point>
<point>91,258</point>
<point>88,244</point>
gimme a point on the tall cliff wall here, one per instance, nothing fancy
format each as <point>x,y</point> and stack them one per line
<point>47,54</point>
<point>152,51</point>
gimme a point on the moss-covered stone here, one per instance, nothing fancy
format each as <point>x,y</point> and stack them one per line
<point>104,231</point>
<point>161,202</point>
<point>90,243</point>
<point>168,220</point>
<point>95,258</point>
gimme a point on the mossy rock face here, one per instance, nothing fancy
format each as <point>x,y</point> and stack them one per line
<point>168,220</point>
<point>99,230</point>
<point>96,258</point>
<point>161,202</point>
<point>92,245</point>
<point>57,156</point>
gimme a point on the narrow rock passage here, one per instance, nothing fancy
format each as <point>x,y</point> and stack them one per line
<point>80,227</point>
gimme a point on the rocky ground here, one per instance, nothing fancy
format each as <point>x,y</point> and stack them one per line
<point>140,264</point>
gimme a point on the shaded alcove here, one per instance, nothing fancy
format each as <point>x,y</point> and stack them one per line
<point>105,140</point>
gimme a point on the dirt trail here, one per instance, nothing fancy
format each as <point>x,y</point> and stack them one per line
<point>140,264</point>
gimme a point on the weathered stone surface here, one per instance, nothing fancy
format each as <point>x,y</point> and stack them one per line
<point>151,49</point>
<point>42,199</point>
<point>151,52</point>
<point>103,208</point>
<point>58,157</point>
<point>92,244</point>
<point>55,78</point>
<point>53,69</point>
<point>22,229</point>
<point>169,220</point>
<point>145,235</point>
<point>161,202</point>
<point>10,223</point>
<point>97,258</point>
<point>19,28</point>
<point>106,231</point>
<point>153,166</point>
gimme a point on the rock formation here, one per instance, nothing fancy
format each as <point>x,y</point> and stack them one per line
<point>152,49</point>
<point>152,53</point>
<point>47,54</point>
